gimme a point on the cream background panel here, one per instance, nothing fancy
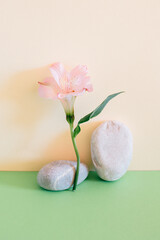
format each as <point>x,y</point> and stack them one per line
<point>119,41</point>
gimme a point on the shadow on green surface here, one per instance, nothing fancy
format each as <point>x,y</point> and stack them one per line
<point>92,177</point>
<point>28,180</point>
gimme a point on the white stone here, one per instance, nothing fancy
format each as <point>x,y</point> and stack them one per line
<point>111,150</point>
<point>59,175</point>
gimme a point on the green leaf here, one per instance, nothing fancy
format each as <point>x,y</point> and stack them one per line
<point>94,113</point>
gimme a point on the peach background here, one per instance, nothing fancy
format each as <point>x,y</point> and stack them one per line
<point>119,41</point>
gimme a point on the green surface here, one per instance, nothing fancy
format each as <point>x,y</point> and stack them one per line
<point>123,210</point>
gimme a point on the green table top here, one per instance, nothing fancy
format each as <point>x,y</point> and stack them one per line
<point>122,210</point>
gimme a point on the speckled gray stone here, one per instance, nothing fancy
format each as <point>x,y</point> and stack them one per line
<point>59,175</point>
<point>111,150</point>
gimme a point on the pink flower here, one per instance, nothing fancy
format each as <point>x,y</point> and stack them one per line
<point>65,85</point>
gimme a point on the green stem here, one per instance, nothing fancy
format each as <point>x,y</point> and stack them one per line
<point>77,155</point>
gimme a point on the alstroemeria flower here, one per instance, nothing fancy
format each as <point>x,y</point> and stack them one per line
<point>65,85</point>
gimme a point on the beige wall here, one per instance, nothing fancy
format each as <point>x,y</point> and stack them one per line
<point>118,40</point>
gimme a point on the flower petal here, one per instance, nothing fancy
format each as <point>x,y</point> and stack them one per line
<point>46,91</point>
<point>78,71</point>
<point>52,83</point>
<point>58,72</point>
<point>68,104</point>
<point>64,95</point>
<point>87,84</point>
<point>80,80</point>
